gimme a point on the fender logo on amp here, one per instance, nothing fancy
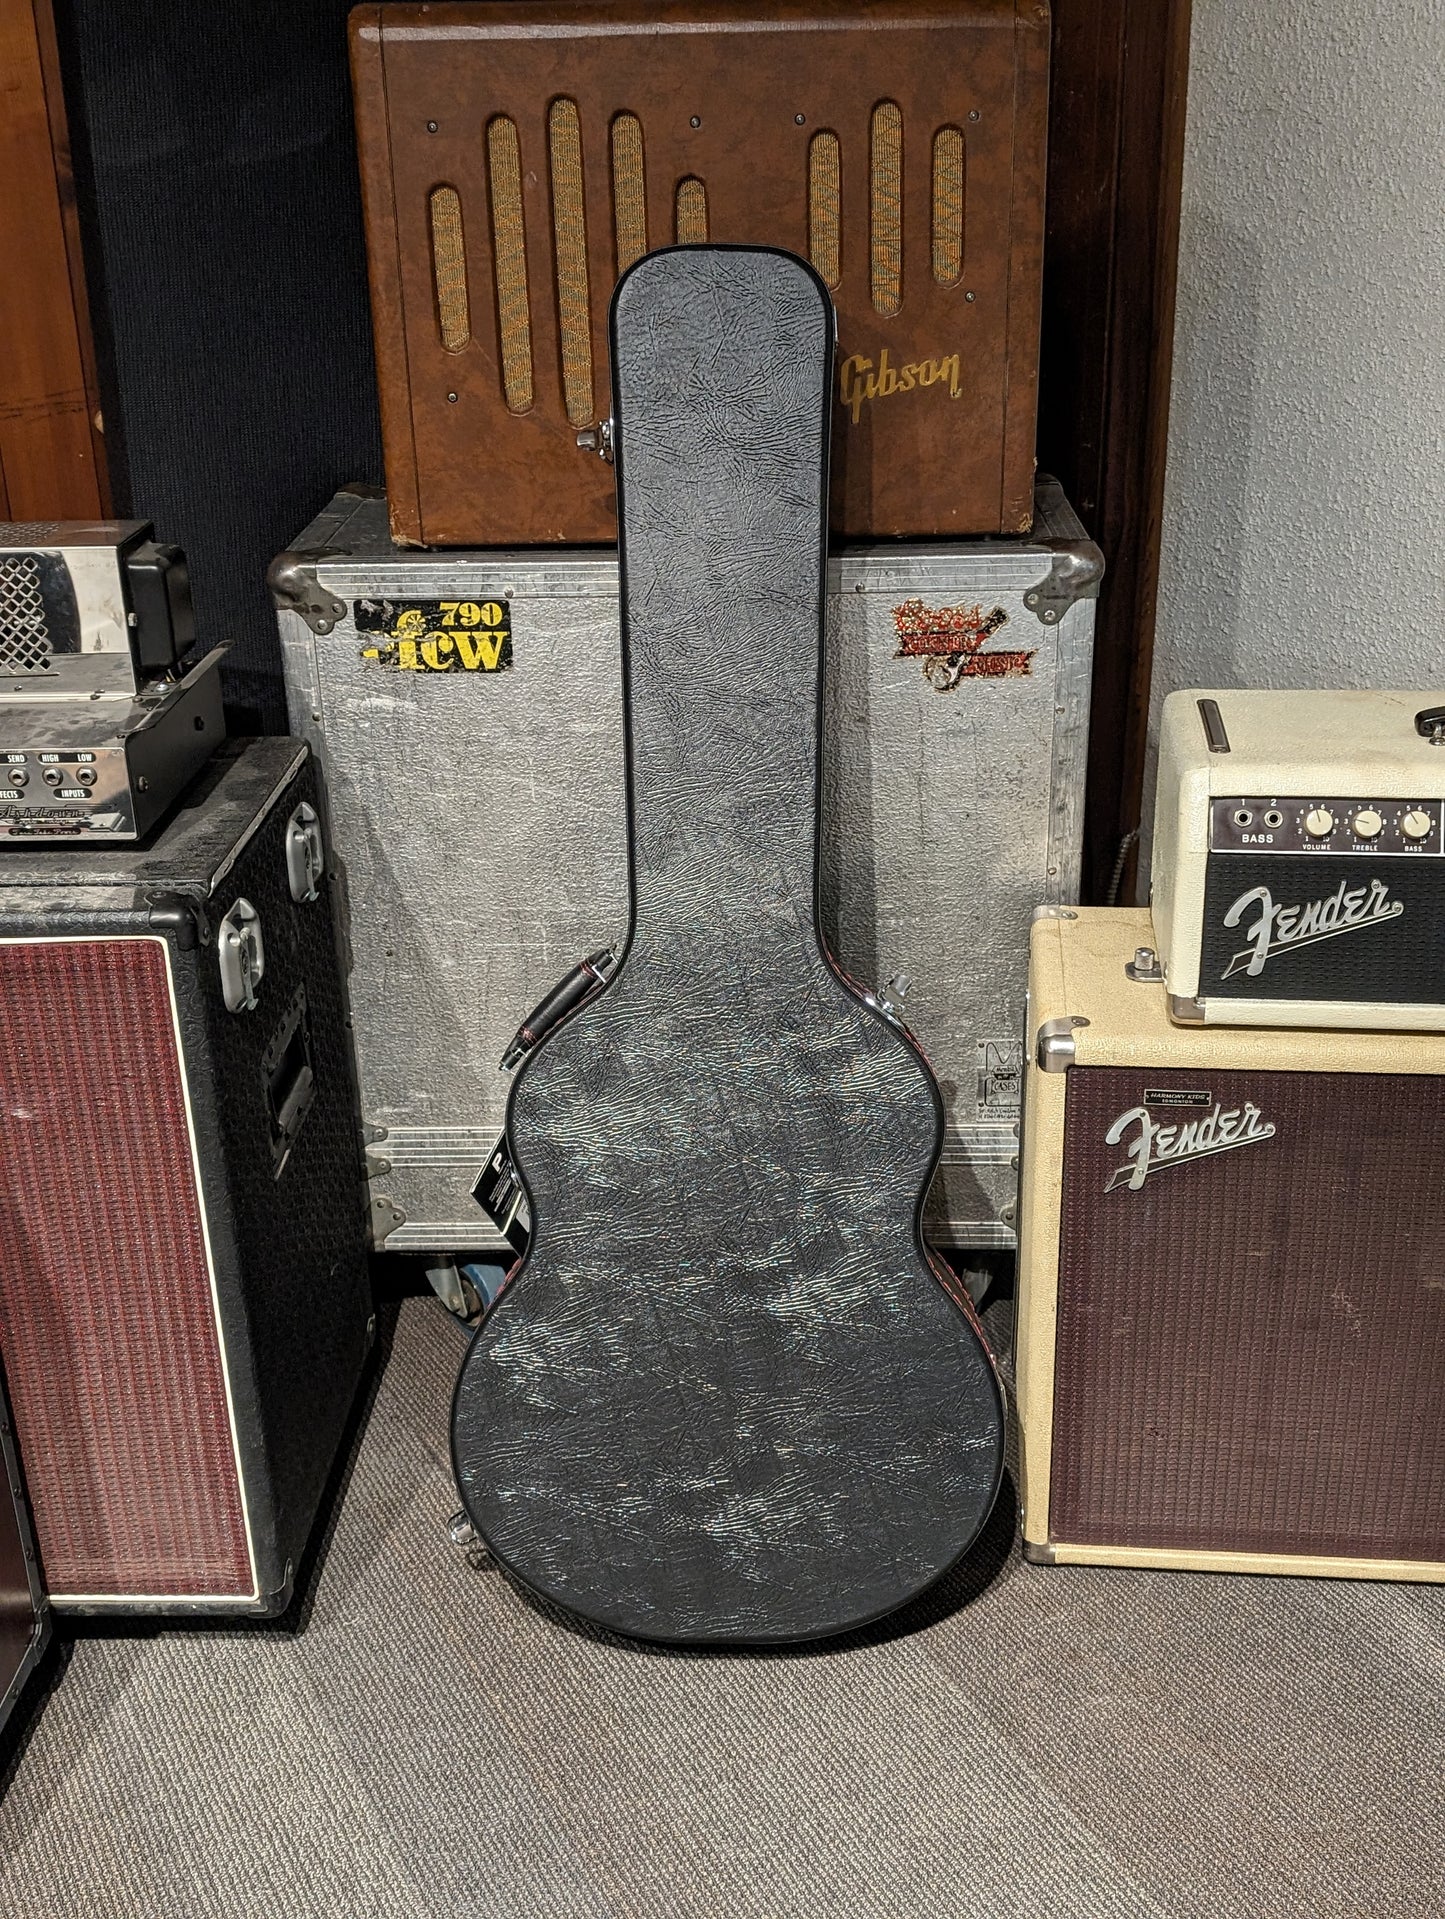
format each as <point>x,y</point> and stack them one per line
<point>1155,1146</point>
<point>1349,909</point>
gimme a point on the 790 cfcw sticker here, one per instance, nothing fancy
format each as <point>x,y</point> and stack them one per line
<point>437,636</point>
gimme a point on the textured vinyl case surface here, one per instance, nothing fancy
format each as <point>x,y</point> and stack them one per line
<point>726,1397</point>
<point>954,746</point>
<point>184,1304</point>
<point>1232,1291</point>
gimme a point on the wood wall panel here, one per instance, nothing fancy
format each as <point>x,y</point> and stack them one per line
<point>52,463</point>
<point>1116,127</point>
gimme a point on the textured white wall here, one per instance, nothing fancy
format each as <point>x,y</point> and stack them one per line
<point>1304,516</point>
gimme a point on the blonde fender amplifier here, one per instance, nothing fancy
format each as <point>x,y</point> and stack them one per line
<point>1299,859</point>
<point>1231,1307</point>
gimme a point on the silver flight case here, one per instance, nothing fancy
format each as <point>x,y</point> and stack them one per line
<point>467,711</point>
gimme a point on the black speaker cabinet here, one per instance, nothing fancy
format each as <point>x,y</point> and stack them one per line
<point>24,1610</point>
<point>184,1302</point>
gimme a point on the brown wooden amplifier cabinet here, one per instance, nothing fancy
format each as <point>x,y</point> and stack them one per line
<point>1231,1315</point>
<point>516,158</point>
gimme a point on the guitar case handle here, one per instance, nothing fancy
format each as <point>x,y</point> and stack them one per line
<point>586,977</point>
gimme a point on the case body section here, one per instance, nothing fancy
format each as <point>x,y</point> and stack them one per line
<point>766,1460</point>
<point>24,1609</point>
<point>1343,750</point>
<point>1231,1339</point>
<point>952,805</point>
<point>935,382</point>
<point>284,1234</point>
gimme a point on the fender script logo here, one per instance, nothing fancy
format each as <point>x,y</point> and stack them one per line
<point>1154,1145</point>
<point>1346,910</point>
<point>860,380</point>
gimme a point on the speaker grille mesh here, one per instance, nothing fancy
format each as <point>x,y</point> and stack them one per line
<point>509,252</point>
<point>569,233</point>
<point>106,1317</point>
<point>1251,1344</point>
<point>825,207</point>
<point>691,213</point>
<point>449,264</point>
<point>629,190</point>
<point>886,203</point>
<point>24,626</point>
<point>948,195</point>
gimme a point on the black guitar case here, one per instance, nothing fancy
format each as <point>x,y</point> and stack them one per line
<point>727,1396</point>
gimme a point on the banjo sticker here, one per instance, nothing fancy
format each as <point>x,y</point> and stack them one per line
<point>949,641</point>
<point>436,636</point>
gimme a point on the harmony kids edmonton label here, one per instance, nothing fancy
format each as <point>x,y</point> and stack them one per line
<point>1349,909</point>
<point>1154,1145</point>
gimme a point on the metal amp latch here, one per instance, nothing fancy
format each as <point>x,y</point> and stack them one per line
<point>305,854</point>
<point>597,439</point>
<point>241,957</point>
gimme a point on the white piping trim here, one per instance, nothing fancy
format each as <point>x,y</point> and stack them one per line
<point>174,1599</point>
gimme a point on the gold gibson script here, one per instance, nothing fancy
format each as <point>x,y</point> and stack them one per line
<point>860,380</point>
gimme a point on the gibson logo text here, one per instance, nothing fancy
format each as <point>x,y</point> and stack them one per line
<point>860,380</point>
<point>1153,1146</point>
<point>1346,910</point>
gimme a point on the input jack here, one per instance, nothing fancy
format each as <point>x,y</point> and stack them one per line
<point>53,776</point>
<point>1243,816</point>
<point>1274,818</point>
<point>85,776</point>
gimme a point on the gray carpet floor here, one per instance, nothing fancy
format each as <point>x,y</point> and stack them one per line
<point>1034,1742</point>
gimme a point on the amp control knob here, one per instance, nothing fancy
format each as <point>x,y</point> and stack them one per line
<point>1416,824</point>
<point>1367,823</point>
<point>1319,822</point>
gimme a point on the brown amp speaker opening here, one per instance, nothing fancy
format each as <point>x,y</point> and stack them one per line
<point>516,159</point>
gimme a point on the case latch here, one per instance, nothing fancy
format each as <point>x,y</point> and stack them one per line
<point>305,854</point>
<point>241,956</point>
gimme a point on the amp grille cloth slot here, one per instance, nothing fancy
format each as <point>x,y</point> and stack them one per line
<point>691,213</point>
<point>886,207</point>
<point>106,1316</point>
<point>24,625</point>
<point>825,207</point>
<point>569,232</point>
<point>629,190</point>
<point>948,191</point>
<point>449,268</point>
<point>509,253</point>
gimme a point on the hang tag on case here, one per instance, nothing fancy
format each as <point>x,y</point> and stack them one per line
<point>500,1194</point>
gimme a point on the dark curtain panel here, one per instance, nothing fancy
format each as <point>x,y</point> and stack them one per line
<point>217,178</point>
